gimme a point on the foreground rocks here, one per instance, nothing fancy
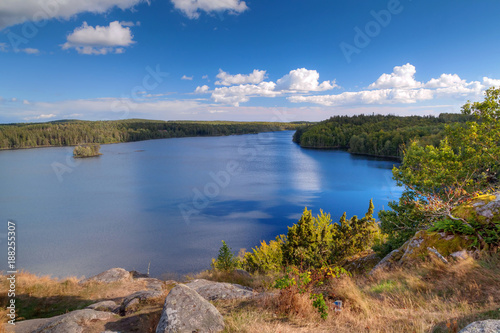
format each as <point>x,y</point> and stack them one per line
<point>212,291</point>
<point>185,311</point>
<point>485,326</point>
<point>72,322</point>
<point>110,276</point>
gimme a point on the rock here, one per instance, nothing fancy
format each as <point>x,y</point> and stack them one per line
<point>72,322</point>
<point>483,209</point>
<point>485,326</point>
<point>219,290</point>
<point>242,273</point>
<point>152,284</point>
<point>185,311</point>
<point>440,257</point>
<point>31,325</point>
<point>460,255</point>
<point>111,275</point>
<point>388,261</point>
<point>109,306</point>
<point>361,263</point>
<point>131,302</point>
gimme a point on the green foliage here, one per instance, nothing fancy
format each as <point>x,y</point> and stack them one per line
<point>438,179</point>
<point>74,132</point>
<point>320,305</point>
<point>87,150</point>
<point>400,223</point>
<point>226,261</point>
<point>353,236</point>
<point>266,257</point>
<point>376,135</point>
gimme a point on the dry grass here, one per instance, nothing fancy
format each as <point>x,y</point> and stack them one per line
<point>44,296</point>
<point>430,298</point>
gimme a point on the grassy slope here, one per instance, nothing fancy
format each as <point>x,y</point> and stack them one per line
<point>429,298</point>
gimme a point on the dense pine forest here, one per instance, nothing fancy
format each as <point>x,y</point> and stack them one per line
<point>75,132</point>
<point>377,134</point>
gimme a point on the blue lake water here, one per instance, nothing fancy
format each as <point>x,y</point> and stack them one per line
<point>170,202</point>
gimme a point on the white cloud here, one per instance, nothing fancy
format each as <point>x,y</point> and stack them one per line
<point>42,116</point>
<point>99,40</point>
<point>130,23</point>
<point>401,77</point>
<point>192,8</point>
<point>302,79</point>
<point>202,90</point>
<point>445,80</point>
<point>3,47</point>
<point>13,12</point>
<point>491,82</point>
<point>188,78</point>
<point>205,77</point>
<point>226,79</point>
<point>238,94</point>
<point>30,50</point>
<point>382,96</point>
<point>26,102</point>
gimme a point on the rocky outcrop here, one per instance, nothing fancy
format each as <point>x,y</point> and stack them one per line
<point>220,290</point>
<point>362,263</point>
<point>423,245</point>
<point>485,326</point>
<point>111,275</point>
<point>108,306</point>
<point>72,322</point>
<point>131,303</point>
<point>185,311</point>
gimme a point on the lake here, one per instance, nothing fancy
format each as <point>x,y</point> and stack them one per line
<point>170,202</point>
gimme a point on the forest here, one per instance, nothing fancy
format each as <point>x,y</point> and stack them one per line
<point>75,132</point>
<point>377,135</point>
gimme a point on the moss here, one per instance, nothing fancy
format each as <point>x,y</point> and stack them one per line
<point>445,244</point>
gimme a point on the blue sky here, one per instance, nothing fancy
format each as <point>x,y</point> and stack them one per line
<point>243,60</point>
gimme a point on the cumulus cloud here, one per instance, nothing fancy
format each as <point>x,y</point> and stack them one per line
<point>202,90</point>
<point>401,77</point>
<point>226,79</point>
<point>382,96</point>
<point>239,88</point>
<point>302,79</point>
<point>238,94</point>
<point>491,82</point>
<point>13,12</point>
<point>193,8</point>
<point>400,87</point>
<point>100,39</point>
<point>188,78</point>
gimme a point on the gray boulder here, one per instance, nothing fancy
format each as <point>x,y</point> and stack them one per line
<point>131,302</point>
<point>485,326</point>
<point>108,306</point>
<point>111,275</point>
<point>220,290</point>
<point>152,284</point>
<point>185,312</point>
<point>72,322</point>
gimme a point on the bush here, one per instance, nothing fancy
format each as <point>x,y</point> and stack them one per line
<point>266,257</point>
<point>226,261</point>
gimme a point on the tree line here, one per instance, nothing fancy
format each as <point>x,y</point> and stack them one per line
<point>75,132</point>
<point>377,135</point>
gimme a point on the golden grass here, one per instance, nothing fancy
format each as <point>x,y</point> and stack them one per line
<point>44,296</point>
<point>432,297</point>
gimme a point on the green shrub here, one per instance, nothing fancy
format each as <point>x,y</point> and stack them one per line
<point>226,261</point>
<point>266,257</point>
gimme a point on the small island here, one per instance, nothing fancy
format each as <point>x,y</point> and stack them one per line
<point>87,150</point>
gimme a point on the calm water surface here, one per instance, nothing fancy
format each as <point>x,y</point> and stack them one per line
<point>171,202</point>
